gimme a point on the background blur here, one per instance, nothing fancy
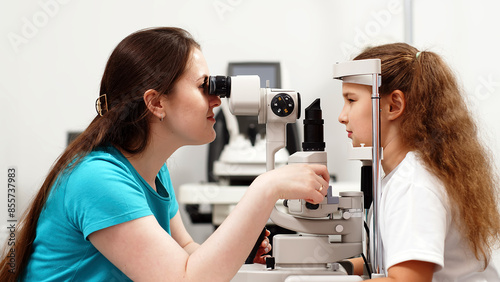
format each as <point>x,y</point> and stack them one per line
<point>53,53</point>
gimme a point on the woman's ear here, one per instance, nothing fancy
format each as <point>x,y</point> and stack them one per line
<point>396,103</point>
<point>154,103</point>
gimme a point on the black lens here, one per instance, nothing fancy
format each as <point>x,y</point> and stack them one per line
<point>219,85</point>
<point>313,128</point>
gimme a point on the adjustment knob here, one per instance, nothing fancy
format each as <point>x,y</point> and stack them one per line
<point>312,206</point>
<point>282,105</point>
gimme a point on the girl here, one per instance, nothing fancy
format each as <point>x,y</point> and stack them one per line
<point>107,210</point>
<point>439,217</point>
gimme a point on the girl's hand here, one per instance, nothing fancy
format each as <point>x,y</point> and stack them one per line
<point>296,181</point>
<point>265,247</point>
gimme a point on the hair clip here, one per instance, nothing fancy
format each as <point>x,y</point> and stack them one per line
<point>99,106</point>
<point>418,54</point>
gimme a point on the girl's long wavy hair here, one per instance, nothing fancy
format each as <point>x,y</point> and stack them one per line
<point>147,59</point>
<point>438,126</point>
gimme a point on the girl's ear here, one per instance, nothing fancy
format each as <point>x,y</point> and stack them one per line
<point>154,104</point>
<point>396,104</point>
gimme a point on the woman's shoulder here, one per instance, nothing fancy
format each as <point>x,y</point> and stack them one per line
<point>101,160</point>
<point>102,166</point>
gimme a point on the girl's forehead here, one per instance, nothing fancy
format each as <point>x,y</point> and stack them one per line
<point>352,88</point>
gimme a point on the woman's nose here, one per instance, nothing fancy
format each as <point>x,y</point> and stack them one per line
<point>214,101</point>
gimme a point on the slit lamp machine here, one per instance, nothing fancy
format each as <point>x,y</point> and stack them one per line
<point>332,230</point>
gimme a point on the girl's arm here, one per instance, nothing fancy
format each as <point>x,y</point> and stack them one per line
<point>408,271</point>
<point>145,252</point>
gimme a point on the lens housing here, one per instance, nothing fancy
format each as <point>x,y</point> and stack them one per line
<point>313,128</point>
<point>219,85</point>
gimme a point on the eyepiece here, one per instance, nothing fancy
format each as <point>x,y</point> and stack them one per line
<point>313,128</point>
<point>219,85</point>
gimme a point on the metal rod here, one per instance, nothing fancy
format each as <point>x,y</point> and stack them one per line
<point>408,21</point>
<point>377,241</point>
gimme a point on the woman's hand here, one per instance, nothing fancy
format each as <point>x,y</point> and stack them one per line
<point>296,181</point>
<point>264,248</point>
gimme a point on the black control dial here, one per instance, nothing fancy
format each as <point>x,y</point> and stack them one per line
<point>311,206</point>
<point>282,105</point>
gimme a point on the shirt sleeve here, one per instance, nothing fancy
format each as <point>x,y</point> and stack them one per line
<point>165,179</point>
<point>101,193</point>
<point>415,224</point>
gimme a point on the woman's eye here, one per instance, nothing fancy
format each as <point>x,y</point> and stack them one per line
<point>204,86</point>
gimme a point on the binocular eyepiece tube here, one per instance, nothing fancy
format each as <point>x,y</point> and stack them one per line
<point>247,98</point>
<point>219,85</point>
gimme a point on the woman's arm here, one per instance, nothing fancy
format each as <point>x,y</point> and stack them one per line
<point>139,249</point>
<point>181,236</point>
<point>144,251</point>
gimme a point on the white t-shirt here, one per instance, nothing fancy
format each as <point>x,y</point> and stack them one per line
<point>416,224</point>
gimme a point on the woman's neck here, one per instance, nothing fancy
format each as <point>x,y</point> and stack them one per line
<point>149,162</point>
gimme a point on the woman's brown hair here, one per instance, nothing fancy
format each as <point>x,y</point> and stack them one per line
<point>147,59</point>
<point>438,126</point>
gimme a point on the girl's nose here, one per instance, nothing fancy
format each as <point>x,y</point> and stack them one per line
<point>343,116</point>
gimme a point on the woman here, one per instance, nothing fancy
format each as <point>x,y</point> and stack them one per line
<point>107,209</point>
<point>438,213</point>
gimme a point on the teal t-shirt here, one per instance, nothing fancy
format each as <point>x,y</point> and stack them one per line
<point>103,190</point>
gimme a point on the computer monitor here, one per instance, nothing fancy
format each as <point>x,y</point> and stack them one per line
<point>265,70</point>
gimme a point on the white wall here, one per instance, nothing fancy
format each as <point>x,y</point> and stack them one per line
<point>466,33</point>
<point>54,51</point>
